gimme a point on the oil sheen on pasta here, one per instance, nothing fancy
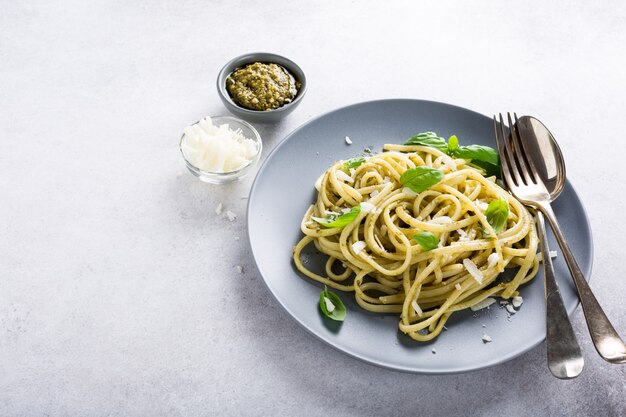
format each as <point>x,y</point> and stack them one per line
<point>393,274</point>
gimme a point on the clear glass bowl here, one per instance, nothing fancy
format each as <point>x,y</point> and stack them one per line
<point>224,177</point>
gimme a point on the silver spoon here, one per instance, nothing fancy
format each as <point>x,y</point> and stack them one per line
<point>546,158</point>
<point>565,359</point>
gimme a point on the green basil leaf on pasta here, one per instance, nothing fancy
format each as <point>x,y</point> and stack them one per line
<point>497,214</point>
<point>420,178</point>
<point>332,306</point>
<point>482,156</point>
<point>453,143</point>
<point>427,240</point>
<point>353,163</point>
<point>428,139</point>
<point>339,220</point>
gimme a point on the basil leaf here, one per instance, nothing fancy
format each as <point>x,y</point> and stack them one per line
<point>353,163</point>
<point>453,143</point>
<point>428,139</point>
<point>482,156</point>
<point>329,300</point>
<point>427,240</point>
<point>420,178</point>
<point>339,220</point>
<point>497,213</point>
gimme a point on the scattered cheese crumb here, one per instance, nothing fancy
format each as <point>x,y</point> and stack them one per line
<point>358,246</point>
<point>417,308</point>
<point>503,302</point>
<point>486,338</point>
<point>231,216</point>
<point>219,208</point>
<point>493,259</point>
<point>409,192</point>
<point>240,269</point>
<point>473,270</point>
<point>457,286</point>
<point>348,141</point>
<point>510,309</point>
<point>330,307</point>
<point>367,207</point>
<point>352,172</point>
<point>236,237</point>
<point>517,301</point>
<point>434,351</point>
<point>441,220</point>
<point>484,325</point>
<point>449,162</point>
<point>374,193</point>
<point>482,205</point>
<point>484,303</point>
<point>553,254</point>
<point>343,176</point>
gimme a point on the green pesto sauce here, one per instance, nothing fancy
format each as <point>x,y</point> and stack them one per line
<point>262,86</point>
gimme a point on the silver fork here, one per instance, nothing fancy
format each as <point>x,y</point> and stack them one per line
<point>527,186</point>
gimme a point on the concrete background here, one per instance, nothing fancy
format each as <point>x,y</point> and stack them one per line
<point>119,292</point>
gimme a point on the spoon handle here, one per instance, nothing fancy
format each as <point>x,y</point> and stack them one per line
<point>565,359</point>
<point>606,340</point>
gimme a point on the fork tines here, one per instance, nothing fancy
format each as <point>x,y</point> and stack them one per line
<point>517,168</point>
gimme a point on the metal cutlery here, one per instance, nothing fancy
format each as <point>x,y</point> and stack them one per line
<point>527,184</point>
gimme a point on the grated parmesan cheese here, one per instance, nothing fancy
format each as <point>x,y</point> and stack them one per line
<point>330,307</point>
<point>348,141</point>
<point>483,304</point>
<point>358,246</point>
<point>449,162</point>
<point>343,176</point>
<point>231,216</point>
<point>509,309</point>
<point>493,259</point>
<point>441,220</point>
<point>473,270</point>
<point>374,193</point>
<point>486,338</point>
<point>457,286</point>
<point>218,209</point>
<point>214,148</point>
<point>367,207</point>
<point>517,301</point>
<point>409,192</point>
<point>553,254</point>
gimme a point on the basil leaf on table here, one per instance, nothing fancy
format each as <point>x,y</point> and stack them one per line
<point>427,240</point>
<point>339,220</point>
<point>353,163</point>
<point>428,139</point>
<point>497,213</point>
<point>332,306</point>
<point>420,178</point>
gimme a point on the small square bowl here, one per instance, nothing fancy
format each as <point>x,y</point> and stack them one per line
<point>224,177</point>
<point>268,116</point>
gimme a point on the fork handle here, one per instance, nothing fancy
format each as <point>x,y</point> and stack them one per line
<point>565,359</point>
<point>606,340</point>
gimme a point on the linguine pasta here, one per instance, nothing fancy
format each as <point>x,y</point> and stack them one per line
<point>376,256</point>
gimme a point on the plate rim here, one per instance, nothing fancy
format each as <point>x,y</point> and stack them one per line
<point>414,370</point>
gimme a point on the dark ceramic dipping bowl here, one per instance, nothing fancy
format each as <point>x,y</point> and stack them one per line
<point>268,116</point>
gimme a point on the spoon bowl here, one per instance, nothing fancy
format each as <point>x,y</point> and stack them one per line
<point>543,154</point>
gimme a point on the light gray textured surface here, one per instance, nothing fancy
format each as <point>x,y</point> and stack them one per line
<point>119,291</point>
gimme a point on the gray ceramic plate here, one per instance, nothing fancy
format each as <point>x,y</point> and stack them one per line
<point>284,189</point>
